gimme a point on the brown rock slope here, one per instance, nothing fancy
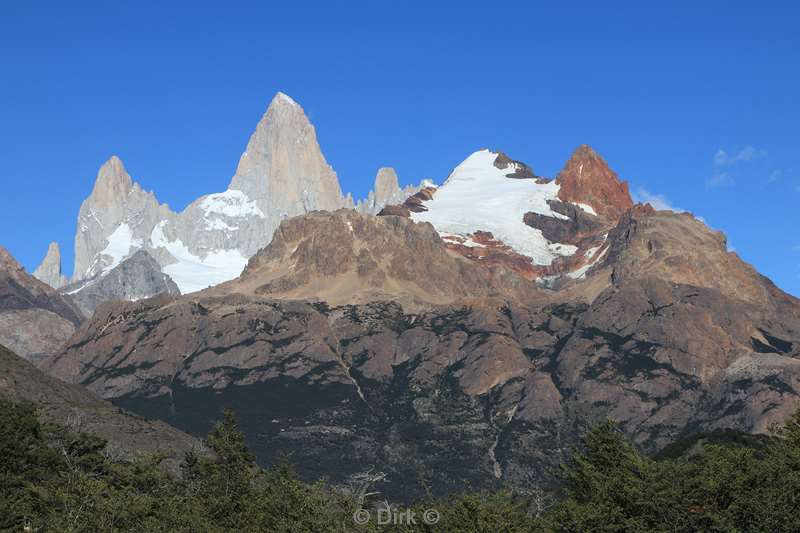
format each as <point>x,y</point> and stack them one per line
<point>80,410</point>
<point>346,257</point>
<point>668,333</point>
<point>35,320</point>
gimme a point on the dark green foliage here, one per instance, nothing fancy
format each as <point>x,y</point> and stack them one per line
<point>713,487</point>
<point>53,479</point>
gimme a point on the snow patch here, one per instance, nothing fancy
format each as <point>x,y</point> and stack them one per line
<point>120,244</point>
<point>461,239</point>
<point>586,207</point>
<point>192,273</point>
<point>231,203</point>
<point>479,197</point>
<point>581,272</point>
<point>218,224</point>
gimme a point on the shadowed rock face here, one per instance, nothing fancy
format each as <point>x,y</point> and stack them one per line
<point>34,319</point>
<point>341,388</point>
<point>138,276</point>
<point>486,390</point>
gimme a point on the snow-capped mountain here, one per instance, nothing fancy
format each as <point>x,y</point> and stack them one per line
<point>281,174</point>
<point>491,208</point>
<point>496,210</point>
<point>480,196</point>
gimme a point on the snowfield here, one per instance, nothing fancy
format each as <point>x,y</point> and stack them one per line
<point>192,273</point>
<point>230,203</point>
<point>479,196</point>
<point>120,245</point>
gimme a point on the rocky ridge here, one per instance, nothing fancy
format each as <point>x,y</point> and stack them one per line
<point>483,388</point>
<point>281,174</point>
<point>139,276</point>
<point>495,210</point>
<point>346,257</point>
<point>128,435</point>
<point>387,191</point>
<point>35,320</point>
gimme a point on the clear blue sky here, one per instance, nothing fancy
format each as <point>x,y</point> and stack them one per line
<point>695,101</point>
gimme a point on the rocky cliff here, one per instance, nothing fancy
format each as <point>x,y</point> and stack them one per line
<point>387,191</point>
<point>346,257</point>
<point>587,179</point>
<point>139,276</point>
<point>281,174</point>
<point>35,320</point>
<point>481,387</point>
<point>283,169</point>
<point>49,271</point>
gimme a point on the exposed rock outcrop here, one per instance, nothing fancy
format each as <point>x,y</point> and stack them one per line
<point>281,174</point>
<point>114,221</point>
<point>481,389</point>
<point>35,320</point>
<point>346,257</point>
<point>283,169</point>
<point>386,192</point>
<point>49,271</point>
<point>139,276</point>
<point>587,179</point>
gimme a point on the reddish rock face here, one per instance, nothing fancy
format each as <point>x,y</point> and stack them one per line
<point>493,254</point>
<point>414,203</point>
<point>587,179</point>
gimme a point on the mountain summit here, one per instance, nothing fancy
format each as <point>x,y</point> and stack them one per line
<point>587,179</point>
<point>114,221</point>
<point>281,174</point>
<point>283,169</point>
<point>49,271</point>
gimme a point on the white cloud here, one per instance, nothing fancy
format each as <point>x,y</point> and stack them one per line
<point>724,160</point>
<point>658,201</point>
<point>718,180</point>
<point>748,153</point>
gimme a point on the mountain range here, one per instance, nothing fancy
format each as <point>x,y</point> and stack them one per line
<point>282,173</point>
<point>460,333</point>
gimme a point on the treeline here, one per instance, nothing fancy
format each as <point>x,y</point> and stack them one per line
<point>54,479</point>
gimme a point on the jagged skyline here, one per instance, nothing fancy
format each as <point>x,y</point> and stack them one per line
<point>722,150</point>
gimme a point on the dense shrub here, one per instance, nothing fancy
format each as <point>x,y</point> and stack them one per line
<point>52,479</point>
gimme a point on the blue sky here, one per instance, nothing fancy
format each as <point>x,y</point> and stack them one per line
<point>695,103</point>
